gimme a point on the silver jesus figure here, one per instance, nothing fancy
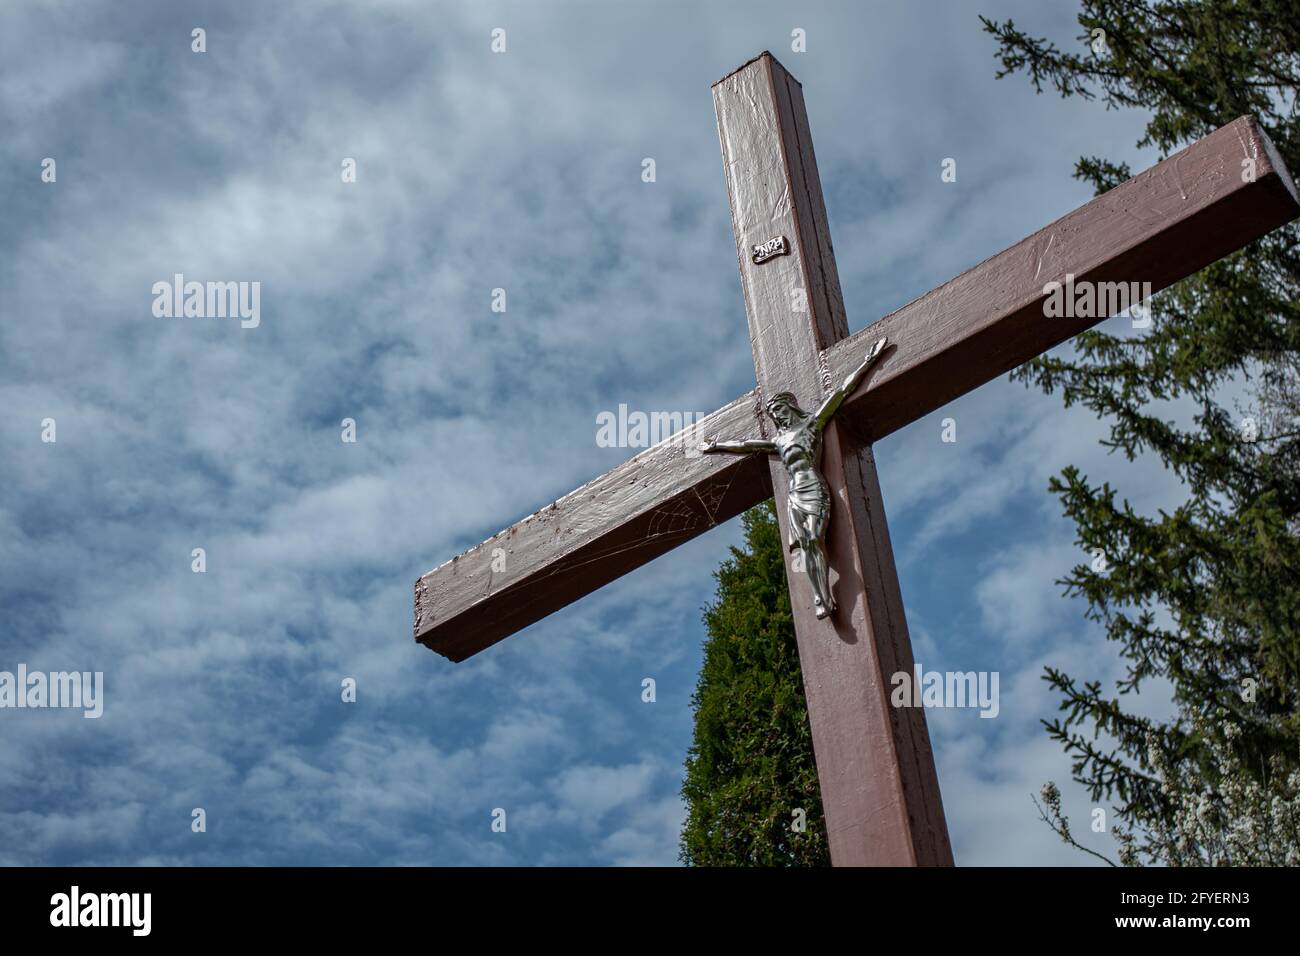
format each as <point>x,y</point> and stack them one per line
<point>799,443</point>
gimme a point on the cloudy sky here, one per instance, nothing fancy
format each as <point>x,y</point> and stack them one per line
<point>475,170</point>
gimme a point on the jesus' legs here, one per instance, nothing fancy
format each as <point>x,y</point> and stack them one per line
<point>820,578</point>
<point>817,564</point>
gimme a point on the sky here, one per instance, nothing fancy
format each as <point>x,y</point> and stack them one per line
<point>475,170</point>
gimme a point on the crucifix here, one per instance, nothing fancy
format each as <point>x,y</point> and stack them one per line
<point>880,792</point>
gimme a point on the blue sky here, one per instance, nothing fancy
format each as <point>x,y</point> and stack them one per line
<point>475,171</point>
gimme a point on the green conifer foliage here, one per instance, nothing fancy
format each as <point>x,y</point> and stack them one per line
<point>1206,595</point>
<point>751,766</point>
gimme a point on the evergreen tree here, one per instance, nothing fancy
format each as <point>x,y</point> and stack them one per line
<point>751,766</point>
<point>1206,596</point>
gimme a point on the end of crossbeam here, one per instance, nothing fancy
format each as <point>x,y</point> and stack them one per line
<point>655,501</point>
<point>1256,142</point>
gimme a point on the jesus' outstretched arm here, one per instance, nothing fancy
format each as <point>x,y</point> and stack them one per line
<point>836,398</point>
<point>746,447</point>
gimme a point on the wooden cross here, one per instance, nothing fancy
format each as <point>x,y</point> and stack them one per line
<point>878,784</point>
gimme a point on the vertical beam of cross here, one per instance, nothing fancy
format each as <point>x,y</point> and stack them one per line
<point>880,792</point>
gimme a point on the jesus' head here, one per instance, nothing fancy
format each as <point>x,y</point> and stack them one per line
<point>785,411</point>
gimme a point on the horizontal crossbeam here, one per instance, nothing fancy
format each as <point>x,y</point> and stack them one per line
<point>1159,227</point>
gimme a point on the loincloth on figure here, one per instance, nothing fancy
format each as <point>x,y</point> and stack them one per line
<point>808,496</point>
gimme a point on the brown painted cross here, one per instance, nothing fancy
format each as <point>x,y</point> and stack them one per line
<point>878,783</point>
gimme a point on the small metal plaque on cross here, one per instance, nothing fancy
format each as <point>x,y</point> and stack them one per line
<point>776,246</point>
